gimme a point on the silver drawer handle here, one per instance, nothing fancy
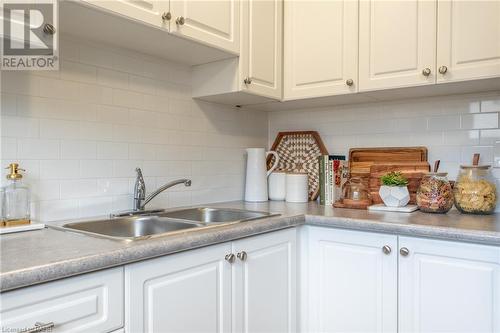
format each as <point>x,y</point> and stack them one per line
<point>40,327</point>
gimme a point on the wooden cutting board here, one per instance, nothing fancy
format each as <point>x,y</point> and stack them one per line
<point>413,171</point>
<point>361,159</point>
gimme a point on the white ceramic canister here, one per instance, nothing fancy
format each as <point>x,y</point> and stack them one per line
<point>277,185</point>
<point>297,188</point>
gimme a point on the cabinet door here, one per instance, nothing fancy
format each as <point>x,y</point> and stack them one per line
<point>321,47</point>
<point>86,303</point>
<point>145,11</point>
<point>397,42</point>
<point>264,298</point>
<point>184,292</point>
<point>261,47</point>
<point>352,281</point>
<point>447,286</point>
<point>468,39</point>
<point>215,23</point>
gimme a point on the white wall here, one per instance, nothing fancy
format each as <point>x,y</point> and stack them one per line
<point>451,127</point>
<point>81,132</point>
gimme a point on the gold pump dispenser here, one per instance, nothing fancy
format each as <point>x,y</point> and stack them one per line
<point>14,171</point>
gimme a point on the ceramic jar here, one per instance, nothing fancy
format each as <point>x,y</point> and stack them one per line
<point>394,196</point>
<point>297,187</point>
<point>277,185</point>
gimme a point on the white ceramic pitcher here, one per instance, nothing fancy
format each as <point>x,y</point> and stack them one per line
<point>256,176</point>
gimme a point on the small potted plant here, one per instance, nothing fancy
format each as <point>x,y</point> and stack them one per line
<point>394,190</point>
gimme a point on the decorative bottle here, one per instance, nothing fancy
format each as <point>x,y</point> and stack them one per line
<point>16,198</point>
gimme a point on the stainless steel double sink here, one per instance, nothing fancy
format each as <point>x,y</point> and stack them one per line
<point>161,223</point>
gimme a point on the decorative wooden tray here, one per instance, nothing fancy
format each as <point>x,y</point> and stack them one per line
<point>298,152</point>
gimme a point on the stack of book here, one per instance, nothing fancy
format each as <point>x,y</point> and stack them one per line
<point>332,169</point>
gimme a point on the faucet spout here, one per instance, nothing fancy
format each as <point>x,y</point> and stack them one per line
<point>139,189</point>
<point>151,196</point>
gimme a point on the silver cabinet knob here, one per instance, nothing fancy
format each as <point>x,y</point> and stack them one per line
<point>242,256</point>
<point>349,82</point>
<point>404,251</point>
<point>386,249</point>
<point>247,80</point>
<point>40,327</point>
<point>426,72</point>
<point>49,29</point>
<point>230,258</point>
<point>180,20</point>
<point>166,16</point>
<point>443,70</point>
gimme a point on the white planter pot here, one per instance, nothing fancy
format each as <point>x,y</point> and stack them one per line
<point>394,196</point>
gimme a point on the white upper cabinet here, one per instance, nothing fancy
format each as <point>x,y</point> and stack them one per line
<point>146,11</point>
<point>261,47</point>
<point>468,40</point>
<point>215,23</point>
<point>185,292</point>
<point>352,281</point>
<point>321,48</point>
<point>264,283</point>
<point>397,43</point>
<point>447,286</point>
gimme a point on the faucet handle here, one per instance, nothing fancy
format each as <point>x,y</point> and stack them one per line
<point>139,172</point>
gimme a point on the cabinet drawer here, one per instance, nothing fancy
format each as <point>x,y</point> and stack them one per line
<point>88,303</point>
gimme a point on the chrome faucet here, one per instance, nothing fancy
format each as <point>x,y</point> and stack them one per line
<point>140,198</point>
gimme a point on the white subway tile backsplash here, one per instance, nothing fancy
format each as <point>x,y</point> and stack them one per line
<point>112,78</point>
<point>59,129</point>
<point>491,105</point>
<point>78,188</point>
<point>443,123</point>
<point>71,150</point>
<point>8,104</point>
<point>59,169</point>
<point>112,151</point>
<point>96,168</point>
<point>20,127</point>
<point>480,121</point>
<point>489,137</point>
<point>453,128</point>
<point>461,138</point>
<point>38,149</point>
<point>75,71</point>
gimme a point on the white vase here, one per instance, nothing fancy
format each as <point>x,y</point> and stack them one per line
<point>394,196</point>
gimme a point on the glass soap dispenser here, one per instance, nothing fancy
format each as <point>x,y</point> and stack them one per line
<point>16,198</point>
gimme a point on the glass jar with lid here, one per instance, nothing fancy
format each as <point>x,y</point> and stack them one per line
<point>475,190</point>
<point>435,195</point>
<point>355,193</point>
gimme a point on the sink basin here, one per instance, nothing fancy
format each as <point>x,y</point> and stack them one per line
<point>139,225</point>
<point>130,228</point>
<point>215,215</point>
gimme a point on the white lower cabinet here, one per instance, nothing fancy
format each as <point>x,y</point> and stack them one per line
<point>87,303</point>
<point>370,282</point>
<point>185,292</point>
<point>264,283</point>
<point>247,285</point>
<point>352,282</point>
<point>448,286</point>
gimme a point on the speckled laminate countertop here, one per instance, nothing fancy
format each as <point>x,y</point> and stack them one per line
<point>33,257</point>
